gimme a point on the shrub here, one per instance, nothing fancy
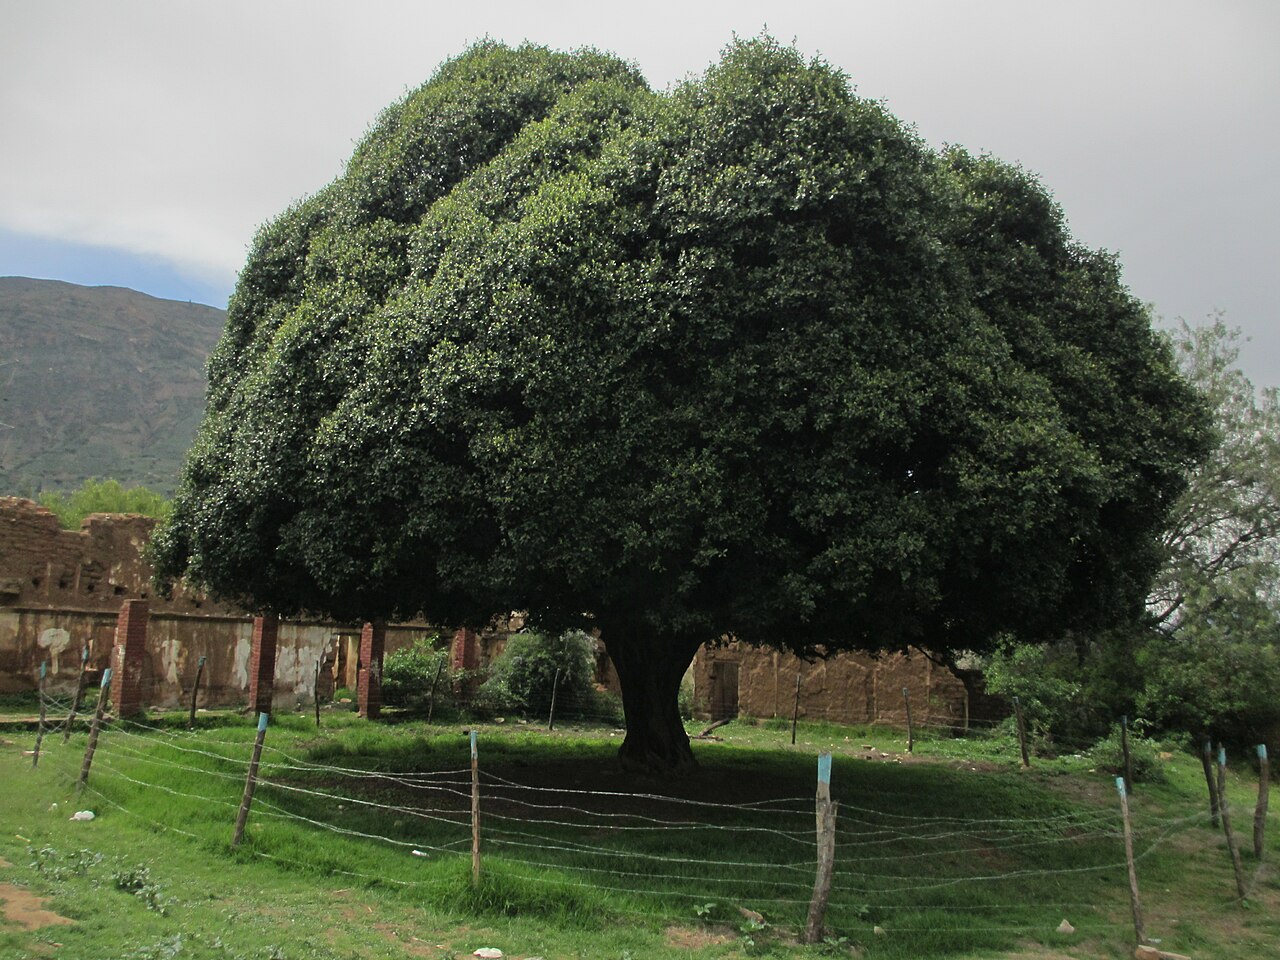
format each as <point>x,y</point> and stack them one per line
<point>1108,756</point>
<point>524,674</point>
<point>409,676</point>
<point>103,496</point>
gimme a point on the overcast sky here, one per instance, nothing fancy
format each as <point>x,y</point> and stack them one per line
<point>141,143</point>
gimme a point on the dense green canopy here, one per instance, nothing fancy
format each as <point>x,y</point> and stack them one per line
<point>743,358</point>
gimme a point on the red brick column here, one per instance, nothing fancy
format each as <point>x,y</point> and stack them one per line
<point>262,663</point>
<point>465,655</point>
<point>373,639</point>
<point>128,656</point>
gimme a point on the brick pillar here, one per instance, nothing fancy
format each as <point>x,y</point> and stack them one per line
<point>128,656</point>
<point>373,639</point>
<point>262,663</point>
<point>465,655</point>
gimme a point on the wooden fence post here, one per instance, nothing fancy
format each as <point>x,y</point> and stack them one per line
<point>431,701</point>
<point>1206,758</point>
<point>1264,790</point>
<point>795,710</point>
<point>555,685</point>
<point>1224,807</point>
<point>195,692</point>
<point>825,812</point>
<point>1022,732</point>
<point>1139,930</point>
<point>35,754</point>
<point>911,734</point>
<point>75,702</point>
<point>251,781</point>
<point>315,689</point>
<point>1128,759</point>
<point>475,812</point>
<point>94,728</point>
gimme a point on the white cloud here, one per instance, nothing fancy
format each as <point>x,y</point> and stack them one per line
<point>174,129</point>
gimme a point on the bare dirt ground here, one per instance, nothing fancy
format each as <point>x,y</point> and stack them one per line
<point>20,906</point>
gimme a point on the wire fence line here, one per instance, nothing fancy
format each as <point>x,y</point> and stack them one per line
<point>643,847</point>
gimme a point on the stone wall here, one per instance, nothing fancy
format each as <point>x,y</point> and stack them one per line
<point>736,680</point>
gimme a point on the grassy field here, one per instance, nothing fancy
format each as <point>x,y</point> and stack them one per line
<point>359,847</point>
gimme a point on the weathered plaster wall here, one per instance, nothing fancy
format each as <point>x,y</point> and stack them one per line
<point>60,592</point>
<point>845,688</point>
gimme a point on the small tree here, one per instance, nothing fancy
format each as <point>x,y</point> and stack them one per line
<point>1213,664</point>
<point>1227,521</point>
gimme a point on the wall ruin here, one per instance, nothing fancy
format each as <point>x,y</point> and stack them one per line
<point>847,688</point>
<point>61,591</point>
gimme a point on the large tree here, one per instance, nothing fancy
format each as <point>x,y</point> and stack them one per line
<point>743,359</point>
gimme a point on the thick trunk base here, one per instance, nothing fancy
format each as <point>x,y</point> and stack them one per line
<point>650,670</point>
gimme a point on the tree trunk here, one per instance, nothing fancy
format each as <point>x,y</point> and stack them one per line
<point>650,669</point>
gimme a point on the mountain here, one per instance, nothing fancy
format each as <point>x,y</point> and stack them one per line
<point>98,382</point>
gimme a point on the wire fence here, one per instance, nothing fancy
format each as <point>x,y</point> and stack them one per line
<point>659,854</point>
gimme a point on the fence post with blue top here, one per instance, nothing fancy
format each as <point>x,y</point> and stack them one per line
<point>1139,931</point>
<point>251,782</point>
<point>94,728</point>
<point>1224,807</point>
<point>826,823</point>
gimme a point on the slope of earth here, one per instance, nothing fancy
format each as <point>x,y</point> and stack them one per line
<point>98,382</point>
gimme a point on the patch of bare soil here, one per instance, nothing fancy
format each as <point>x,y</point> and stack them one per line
<point>24,908</point>
<point>691,938</point>
<point>5,863</point>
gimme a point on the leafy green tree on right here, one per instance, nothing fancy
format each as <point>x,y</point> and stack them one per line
<point>1205,658</point>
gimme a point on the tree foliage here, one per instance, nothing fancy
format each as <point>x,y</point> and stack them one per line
<point>1205,659</point>
<point>1213,664</point>
<point>747,358</point>
<point>1227,522</point>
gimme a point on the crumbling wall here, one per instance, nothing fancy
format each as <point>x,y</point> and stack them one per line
<point>61,590</point>
<point>844,688</point>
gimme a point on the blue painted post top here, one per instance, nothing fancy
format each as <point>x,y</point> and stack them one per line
<point>44,668</point>
<point>201,663</point>
<point>473,744</point>
<point>106,677</point>
<point>1120,785</point>
<point>1262,751</point>
<point>824,768</point>
<point>262,722</point>
<point>1222,756</point>
<point>1124,722</point>
<point>84,655</point>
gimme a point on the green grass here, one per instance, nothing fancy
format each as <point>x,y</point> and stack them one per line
<point>952,851</point>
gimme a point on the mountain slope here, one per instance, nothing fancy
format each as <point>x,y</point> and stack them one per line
<point>98,382</point>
